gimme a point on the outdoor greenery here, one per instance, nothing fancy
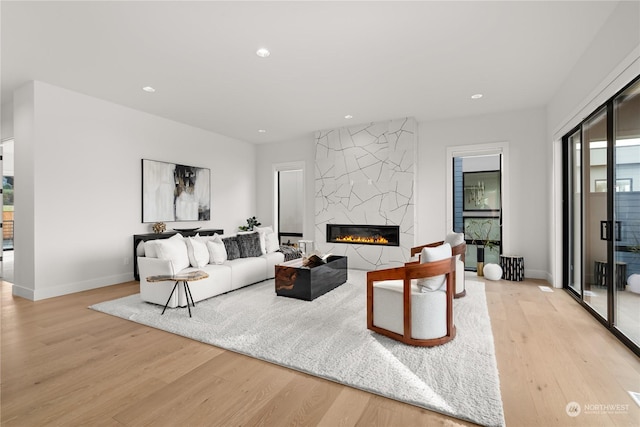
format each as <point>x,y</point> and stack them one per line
<point>480,232</point>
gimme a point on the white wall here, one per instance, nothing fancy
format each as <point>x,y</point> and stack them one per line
<point>611,61</point>
<point>78,186</point>
<point>301,150</point>
<point>525,203</point>
<point>6,126</point>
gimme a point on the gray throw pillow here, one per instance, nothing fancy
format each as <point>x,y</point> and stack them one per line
<point>249,245</point>
<point>231,246</point>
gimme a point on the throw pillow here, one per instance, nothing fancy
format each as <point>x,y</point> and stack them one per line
<point>217,251</point>
<point>198,252</point>
<point>429,284</point>
<point>174,250</point>
<point>262,232</point>
<point>271,242</point>
<point>454,239</point>
<point>150,250</point>
<point>249,245</point>
<point>231,246</point>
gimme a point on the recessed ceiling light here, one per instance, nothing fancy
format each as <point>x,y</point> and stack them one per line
<point>348,116</point>
<point>476,96</point>
<point>262,131</point>
<point>263,53</point>
<point>148,89</point>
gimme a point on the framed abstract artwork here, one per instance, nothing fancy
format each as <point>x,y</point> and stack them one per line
<point>173,192</point>
<point>482,191</point>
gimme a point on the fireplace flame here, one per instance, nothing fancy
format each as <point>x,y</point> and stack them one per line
<point>359,239</point>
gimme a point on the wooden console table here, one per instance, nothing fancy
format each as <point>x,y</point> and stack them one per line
<point>137,238</point>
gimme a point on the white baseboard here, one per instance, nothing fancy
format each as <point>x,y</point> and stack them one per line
<point>537,274</point>
<point>70,288</point>
<point>22,292</point>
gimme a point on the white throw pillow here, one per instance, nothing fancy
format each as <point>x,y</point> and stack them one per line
<point>150,250</point>
<point>433,254</point>
<point>271,242</point>
<point>262,232</point>
<point>197,251</point>
<point>175,250</point>
<point>454,239</point>
<point>217,251</point>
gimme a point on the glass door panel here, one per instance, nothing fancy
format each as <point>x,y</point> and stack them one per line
<point>575,214</point>
<point>626,199</point>
<point>595,220</point>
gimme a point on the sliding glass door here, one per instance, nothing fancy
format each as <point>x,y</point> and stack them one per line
<point>594,174</point>
<point>626,209</point>
<point>602,214</point>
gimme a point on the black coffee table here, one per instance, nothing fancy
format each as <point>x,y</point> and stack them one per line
<point>296,281</point>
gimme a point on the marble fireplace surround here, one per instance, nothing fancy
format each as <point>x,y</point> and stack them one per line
<point>365,175</point>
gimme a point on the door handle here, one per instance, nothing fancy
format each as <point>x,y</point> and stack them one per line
<point>604,230</point>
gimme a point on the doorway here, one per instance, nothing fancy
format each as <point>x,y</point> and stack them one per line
<point>289,203</point>
<point>477,199</point>
<point>601,159</point>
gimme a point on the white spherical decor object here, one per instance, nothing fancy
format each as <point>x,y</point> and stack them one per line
<point>492,271</point>
<point>633,283</point>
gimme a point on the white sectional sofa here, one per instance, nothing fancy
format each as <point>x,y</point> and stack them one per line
<point>228,268</point>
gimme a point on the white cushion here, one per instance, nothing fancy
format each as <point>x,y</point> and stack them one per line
<point>197,251</point>
<point>428,254</point>
<point>428,310</point>
<point>262,232</point>
<point>204,239</point>
<point>492,271</point>
<point>271,242</point>
<point>454,239</point>
<point>217,251</point>
<point>150,250</point>
<point>175,250</point>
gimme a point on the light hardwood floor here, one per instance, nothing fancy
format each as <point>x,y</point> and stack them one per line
<point>64,364</point>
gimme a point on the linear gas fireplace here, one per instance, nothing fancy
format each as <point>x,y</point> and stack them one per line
<point>385,235</point>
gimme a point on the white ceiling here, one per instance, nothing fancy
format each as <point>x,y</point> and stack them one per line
<point>373,60</point>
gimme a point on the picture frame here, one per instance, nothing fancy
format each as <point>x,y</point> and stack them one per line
<point>482,191</point>
<point>172,192</point>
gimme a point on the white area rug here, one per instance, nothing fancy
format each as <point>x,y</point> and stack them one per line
<point>328,337</point>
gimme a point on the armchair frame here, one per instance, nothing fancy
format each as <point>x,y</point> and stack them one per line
<point>460,249</point>
<point>410,271</point>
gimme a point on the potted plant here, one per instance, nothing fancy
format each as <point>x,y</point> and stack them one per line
<point>251,222</point>
<point>479,230</point>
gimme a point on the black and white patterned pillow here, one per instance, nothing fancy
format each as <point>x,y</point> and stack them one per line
<point>231,246</point>
<point>249,245</point>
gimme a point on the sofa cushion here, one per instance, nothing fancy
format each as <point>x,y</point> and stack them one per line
<point>197,251</point>
<point>271,243</point>
<point>231,246</point>
<point>262,232</point>
<point>249,245</point>
<point>150,250</point>
<point>173,249</point>
<point>428,254</point>
<point>245,271</point>
<point>217,251</point>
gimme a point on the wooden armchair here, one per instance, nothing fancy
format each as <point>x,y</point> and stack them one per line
<point>457,251</point>
<point>398,309</point>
